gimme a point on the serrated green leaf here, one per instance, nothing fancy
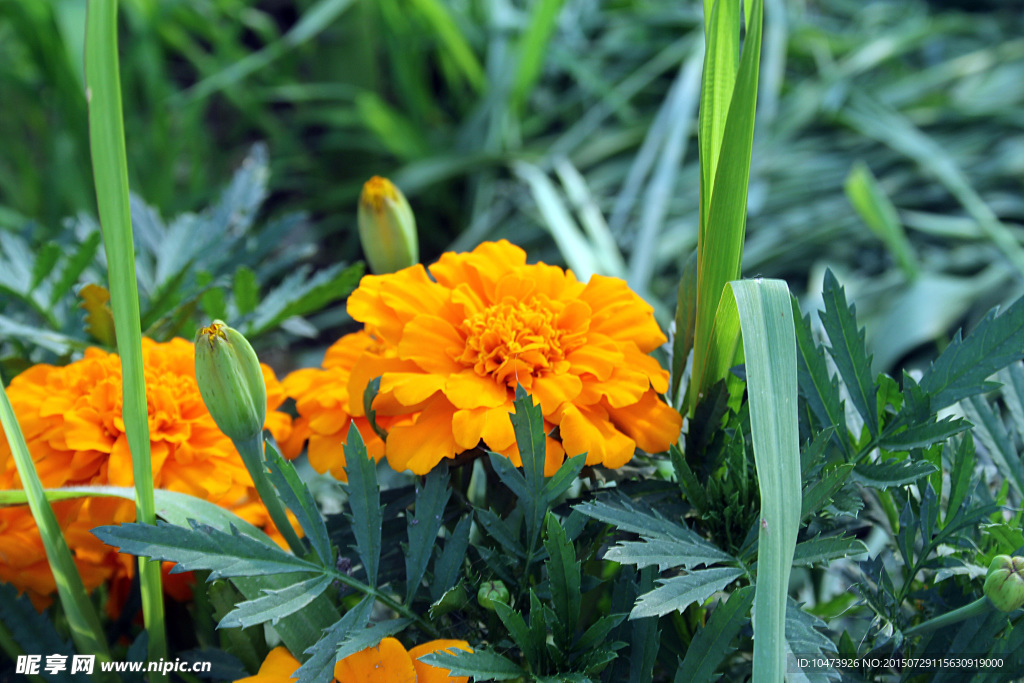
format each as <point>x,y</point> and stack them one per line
<point>246,290</point>
<point>447,566</point>
<point>275,604</point>
<point>203,547</point>
<point>424,525</point>
<point>820,493</point>
<point>989,428</point>
<point>520,633</point>
<point>361,638</point>
<point>75,266</point>
<point>296,496</point>
<point>509,474</point>
<point>564,477</point>
<point>891,473</point>
<point>564,579</point>
<point>804,638</point>
<point>45,258</point>
<point>820,390</point>
<point>848,350</point>
<point>528,424</point>
<point>714,641</point>
<point>320,665</point>
<point>961,475</point>
<point>688,482</point>
<point>498,529</point>
<point>962,368</point>
<point>598,632</point>
<point>678,592</point>
<point>452,599</point>
<point>482,665</point>
<point>645,637</point>
<point>666,553</point>
<point>364,502</point>
<point>822,550</point>
<point>632,517</point>
<point>32,631</point>
<point>299,294</point>
<point>925,434</point>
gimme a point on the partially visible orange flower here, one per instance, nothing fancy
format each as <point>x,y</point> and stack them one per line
<point>481,322</point>
<point>72,421</point>
<point>388,662</point>
<point>325,407</point>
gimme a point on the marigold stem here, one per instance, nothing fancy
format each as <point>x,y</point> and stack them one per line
<point>253,456</point>
<point>977,608</point>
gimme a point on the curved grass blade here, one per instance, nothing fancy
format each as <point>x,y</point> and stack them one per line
<point>85,626</point>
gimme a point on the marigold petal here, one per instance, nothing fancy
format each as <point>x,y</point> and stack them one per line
<point>278,667</point>
<point>369,368</point>
<point>588,431</point>
<point>388,662</point>
<point>599,357</point>
<point>648,365</point>
<point>420,446</point>
<point>410,388</point>
<point>435,674</point>
<point>426,341</point>
<point>388,302</point>
<point>621,314</point>
<point>554,390</point>
<point>469,390</point>
<point>479,269</point>
<point>652,423</point>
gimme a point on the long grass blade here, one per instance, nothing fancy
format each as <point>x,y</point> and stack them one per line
<point>760,313</point>
<point>86,629</point>
<point>110,170</point>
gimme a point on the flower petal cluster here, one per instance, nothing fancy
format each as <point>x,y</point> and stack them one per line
<point>388,662</point>
<point>325,407</point>
<point>457,339</point>
<point>72,420</point>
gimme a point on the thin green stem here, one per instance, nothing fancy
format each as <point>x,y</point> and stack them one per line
<point>253,457</point>
<point>404,610</point>
<point>975,609</point>
<point>110,170</point>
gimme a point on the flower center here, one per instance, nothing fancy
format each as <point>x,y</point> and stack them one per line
<point>516,340</point>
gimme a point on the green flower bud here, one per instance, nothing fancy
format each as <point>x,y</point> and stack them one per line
<point>491,592</point>
<point>231,382</point>
<point>1004,584</point>
<point>387,227</point>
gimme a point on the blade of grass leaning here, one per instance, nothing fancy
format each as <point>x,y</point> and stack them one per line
<point>83,621</point>
<point>720,239</point>
<point>532,46</point>
<point>760,313</point>
<point>110,170</point>
<point>879,214</point>
<point>438,15</point>
<point>721,56</point>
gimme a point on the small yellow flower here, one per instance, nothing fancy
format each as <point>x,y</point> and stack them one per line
<point>387,227</point>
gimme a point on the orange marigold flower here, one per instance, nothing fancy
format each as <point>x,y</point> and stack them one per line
<point>72,421</point>
<point>325,407</point>
<point>388,662</point>
<point>463,335</point>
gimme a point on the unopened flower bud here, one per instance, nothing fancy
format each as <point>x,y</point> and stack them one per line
<point>491,592</point>
<point>1004,584</point>
<point>387,227</point>
<point>231,382</point>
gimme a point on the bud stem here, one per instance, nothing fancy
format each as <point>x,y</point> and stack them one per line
<point>977,608</point>
<point>253,456</point>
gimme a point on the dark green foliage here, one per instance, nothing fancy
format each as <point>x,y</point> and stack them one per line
<point>296,496</point>
<point>203,547</point>
<point>713,642</point>
<point>424,525</point>
<point>364,501</point>
<point>32,632</point>
<point>275,604</point>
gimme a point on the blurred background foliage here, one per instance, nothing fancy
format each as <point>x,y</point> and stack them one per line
<point>889,144</point>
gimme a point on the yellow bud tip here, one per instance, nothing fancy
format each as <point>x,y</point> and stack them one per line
<point>376,191</point>
<point>213,331</point>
